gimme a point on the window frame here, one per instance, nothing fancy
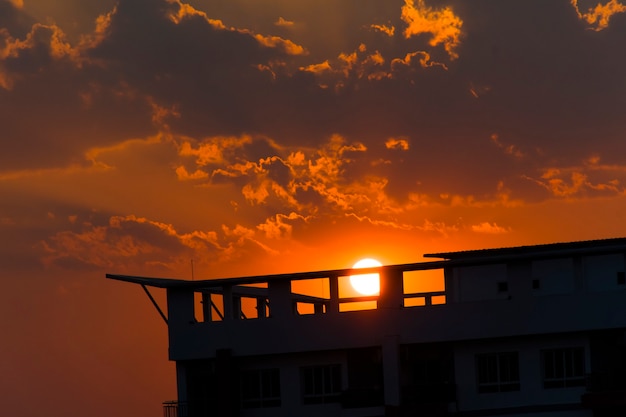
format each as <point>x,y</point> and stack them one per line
<point>563,367</point>
<point>497,372</point>
<point>264,391</point>
<point>321,384</point>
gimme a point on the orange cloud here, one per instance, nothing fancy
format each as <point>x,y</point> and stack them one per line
<point>283,23</point>
<point>489,228</point>
<point>397,143</point>
<point>508,149</point>
<point>387,30</point>
<point>103,24</point>
<point>423,58</point>
<point>183,175</point>
<point>186,10</point>
<point>600,15</point>
<point>588,179</point>
<point>286,45</point>
<point>47,41</point>
<point>213,150</point>
<point>317,68</point>
<point>278,226</point>
<point>443,25</point>
<point>139,242</point>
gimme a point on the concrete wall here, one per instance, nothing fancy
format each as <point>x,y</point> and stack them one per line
<point>554,276</point>
<point>600,271</point>
<point>531,391</point>
<point>477,283</point>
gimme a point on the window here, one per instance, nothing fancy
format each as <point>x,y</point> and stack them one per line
<point>621,278</point>
<point>503,286</point>
<point>321,384</point>
<point>563,367</point>
<point>536,284</point>
<point>497,372</point>
<point>260,388</point>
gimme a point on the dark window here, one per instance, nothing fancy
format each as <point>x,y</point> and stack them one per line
<point>563,367</point>
<point>260,388</point>
<point>503,286</point>
<point>536,284</point>
<point>497,372</point>
<point>621,278</point>
<point>321,384</point>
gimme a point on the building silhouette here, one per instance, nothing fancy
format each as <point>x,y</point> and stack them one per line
<point>532,330</point>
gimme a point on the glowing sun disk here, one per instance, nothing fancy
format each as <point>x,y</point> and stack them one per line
<point>366,284</point>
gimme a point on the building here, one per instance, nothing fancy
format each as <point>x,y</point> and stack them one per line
<point>532,330</point>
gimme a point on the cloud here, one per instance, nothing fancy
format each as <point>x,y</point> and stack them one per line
<point>443,25</point>
<point>599,16</point>
<point>420,57</point>
<point>387,30</point>
<point>507,149</point>
<point>183,175</point>
<point>397,143</point>
<point>283,22</point>
<point>589,179</point>
<point>489,228</point>
<point>279,226</point>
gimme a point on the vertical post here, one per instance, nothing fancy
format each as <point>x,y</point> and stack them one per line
<point>237,312</point>
<point>226,396</point>
<point>206,306</point>
<point>391,289</point>
<point>333,303</point>
<point>227,291</point>
<point>261,305</point>
<point>279,292</point>
<point>181,382</point>
<point>391,374</point>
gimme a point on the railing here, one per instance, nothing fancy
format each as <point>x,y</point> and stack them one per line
<point>175,409</point>
<point>260,300</point>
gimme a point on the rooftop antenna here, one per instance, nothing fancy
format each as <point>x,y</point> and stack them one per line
<point>192,269</point>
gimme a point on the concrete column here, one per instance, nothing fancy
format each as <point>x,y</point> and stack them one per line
<point>391,371</point>
<point>181,382</point>
<point>391,289</point>
<point>227,292</point>
<point>279,293</point>
<point>206,307</point>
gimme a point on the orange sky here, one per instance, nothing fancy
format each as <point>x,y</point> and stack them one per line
<point>277,136</point>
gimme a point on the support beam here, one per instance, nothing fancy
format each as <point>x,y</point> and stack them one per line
<point>154,303</point>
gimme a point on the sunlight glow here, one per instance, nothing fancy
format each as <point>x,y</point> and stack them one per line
<point>366,284</point>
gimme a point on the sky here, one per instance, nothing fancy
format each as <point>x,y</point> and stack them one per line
<point>221,138</point>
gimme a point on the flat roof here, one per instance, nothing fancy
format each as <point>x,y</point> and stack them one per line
<point>600,245</point>
<point>447,259</point>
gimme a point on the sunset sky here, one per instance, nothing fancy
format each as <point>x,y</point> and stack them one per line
<point>271,136</point>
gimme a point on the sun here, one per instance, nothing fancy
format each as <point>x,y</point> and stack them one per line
<point>366,284</point>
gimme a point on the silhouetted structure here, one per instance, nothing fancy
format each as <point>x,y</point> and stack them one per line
<point>516,331</point>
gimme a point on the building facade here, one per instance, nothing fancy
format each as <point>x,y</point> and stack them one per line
<point>533,330</point>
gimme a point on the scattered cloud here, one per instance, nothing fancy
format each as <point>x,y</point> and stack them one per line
<point>387,30</point>
<point>397,143</point>
<point>443,25</point>
<point>507,149</point>
<point>598,17</point>
<point>282,22</point>
<point>489,228</point>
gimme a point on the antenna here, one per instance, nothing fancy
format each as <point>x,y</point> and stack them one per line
<point>192,269</point>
